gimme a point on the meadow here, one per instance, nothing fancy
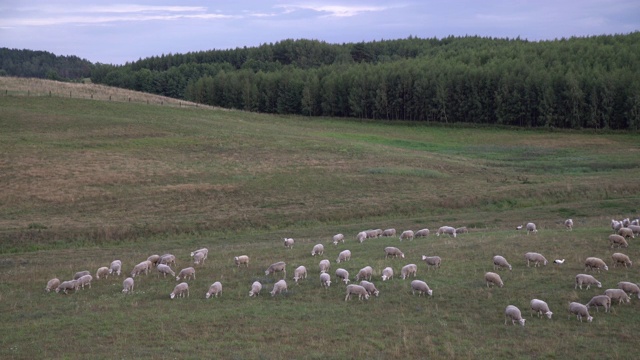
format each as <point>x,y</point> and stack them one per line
<point>84,182</point>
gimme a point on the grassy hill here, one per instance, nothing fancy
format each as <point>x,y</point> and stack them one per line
<point>85,182</point>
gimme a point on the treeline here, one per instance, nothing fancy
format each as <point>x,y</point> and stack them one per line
<point>43,65</point>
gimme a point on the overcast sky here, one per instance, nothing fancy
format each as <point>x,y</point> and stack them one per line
<point>114,32</point>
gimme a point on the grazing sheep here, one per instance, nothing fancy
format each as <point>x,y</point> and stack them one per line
<point>373,233</point>
<point>635,229</point>
<point>154,259</point>
<point>242,259</point>
<point>370,287</point>
<point>421,287</point>
<point>80,274</point>
<point>625,222</point>
<point>164,270</point>
<point>344,255</point>
<point>512,313</point>
<point>616,225</point>
<point>325,280</point>
<point>167,259</point>
<point>364,273</point>
<point>180,290</point>
<point>280,266</point>
<point>337,238</point>
<point>288,243</point>
<point>215,289</point>
<point>256,287</point>
<point>406,235</point>
<point>535,258</point>
<point>127,285</point>
<point>616,239</point>
<point>343,275</point>
<point>595,263</point>
<point>299,273</point>
<point>84,280</point>
<point>67,285</point>
<point>115,267</point>
<point>432,261</point>
<point>586,280</point>
<point>635,222</point>
<point>318,249</point>
<point>389,232</point>
<point>617,295</point>
<point>531,228</point>
<point>356,290</point>
<point>408,270</point>
<point>421,233</point>
<point>462,230</point>
<point>324,265</point>
<point>540,307</point>
<point>493,278</point>
<point>568,224</point>
<point>204,252</point>
<point>620,258</point>
<point>185,273</point>
<point>102,271</point>
<point>140,268</point>
<point>629,287</point>
<point>361,236</point>
<point>387,273</point>
<point>392,251</point>
<point>500,262</point>
<point>600,300</point>
<point>279,287</point>
<point>626,233</point>
<point>52,284</point>
<point>451,231</point>
<point>581,311</point>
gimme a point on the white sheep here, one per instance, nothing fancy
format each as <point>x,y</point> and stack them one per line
<point>80,274</point>
<point>364,273</point>
<point>373,233</point>
<point>462,230</point>
<point>115,267</point>
<point>343,275</point>
<point>512,313</point>
<point>408,270</point>
<point>280,266</point>
<point>421,233</point>
<point>256,287</point>
<point>626,233</point>
<point>500,262</point>
<point>140,268</point>
<point>421,287</point>
<point>629,287</point>
<point>535,258</point>
<point>626,222</point>
<point>591,263</point>
<point>620,258</point>
<point>617,295</point>
<point>84,280</point>
<point>432,261</point>
<point>493,278</point>
<point>288,243</point>
<point>127,285</point>
<point>299,273</point>
<point>392,251</point>
<point>180,290</point>
<point>215,289</point>
<point>240,260</point>
<point>600,300</point>
<point>164,270</point>
<point>167,259</point>
<point>616,225</point>
<point>102,272</point>
<point>279,287</point>
<point>568,224</point>
<point>52,284</point>
<point>344,255</point>
<point>616,239</point>
<point>200,255</point>
<point>370,287</point>
<point>407,235</point>
<point>361,236</point>
<point>154,259</point>
<point>354,289</point>
<point>449,230</point>
<point>389,232</point>
<point>531,228</point>
<point>338,238</point>
<point>67,285</point>
<point>635,229</point>
<point>324,265</point>
<point>581,311</point>
<point>318,249</point>
<point>387,273</point>
<point>186,273</point>
<point>325,280</point>
<point>541,308</point>
<point>635,222</point>
<point>584,279</point>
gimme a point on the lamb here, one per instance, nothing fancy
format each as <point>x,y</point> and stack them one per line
<point>531,228</point>
<point>164,270</point>
<point>408,270</point>
<point>462,230</point>
<point>500,262</point>
<point>167,259</point>
<point>180,290</point>
<point>541,308</point>
<point>535,258</point>
<point>356,290</point>
<point>370,287</point>
<point>406,235</point>
<point>52,284</point>
<point>279,287</point>
<point>299,273</point>
<point>568,224</point>
<point>140,268</point>
<point>387,273</point>
<point>204,252</point>
<point>215,289</point>
<point>361,236</point>
<point>324,265</point>
<point>67,285</point>
<point>626,222</point>
<point>80,274</point>
<point>616,239</point>
<point>337,238</point>
<point>240,260</point>
<point>280,266</point>
<point>102,271</point>
<point>620,258</point>
<point>127,285</point>
<point>432,261</point>
<point>345,255</point>
<point>616,225</point>
<point>512,313</point>
<point>154,259</point>
<point>288,243</point>
<point>256,287</point>
<point>600,300</point>
<point>586,280</point>
<point>595,263</point>
<point>185,273</point>
<point>389,232</point>
<point>635,229</point>
<point>318,249</point>
<point>626,233</point>
<point>364,273</point>
<point>493,278</point>
<point>325,280</point>
<point>392,251</point>
<point>421,287</point>
<point>84,281</point>
<point>617,295</point>
<point>581,311</point>
<point>343,275</point>
<point>421,233</point>
<point>629,287</point>
<point>115,267</point>
<point>451,231</point>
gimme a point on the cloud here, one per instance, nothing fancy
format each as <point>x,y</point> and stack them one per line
<point>334,10</point>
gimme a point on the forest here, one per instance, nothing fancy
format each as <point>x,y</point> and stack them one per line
<point>43,65</point>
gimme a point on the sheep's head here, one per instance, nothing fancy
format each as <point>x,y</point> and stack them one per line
<point>376,293</point>
<point>366,296</point>
<point>384,277</point>
<point>589,318</point>
<point>521,321</point>
<point>548,313</point>
<point>345,280</point>
<point>177,278</point>
<point>172,295</point>
<point>599,284</point>
<point>328,283</point>
<point>430,292</point>
<point>208,295</point>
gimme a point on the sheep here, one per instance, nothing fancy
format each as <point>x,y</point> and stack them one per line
<point>242,259</point>
<point>541,308</point>
<point>535,258</point>
<point>389,232</point>
<point>140,268</point>
<point>568,224</point>
<point>354,289</point>
<point>67,285</point>
<point>102,271</point>
<point>279,287</point>
<point>115,267</point>
<point>616,239</point>
<point>185,273</point>
<point>421,233</point>
<point>392,251</point>
<point>451,231</point>
<point>361,236</point>
<point>500,262</point>
<point>179,290</point>
<point>343,275</point>
<point>635,222</point>
<point>408,270</point>
<point>127,285</point>
<point>462,230</point>
<point>80,274</point>
<point>338,238</point>
<point>616,225</point>
<point>52,284</point>
<point>531,228</point>
<point>421,287</point>
<point>620,258</point>
<point>164,270</point>
<point>626,222</point>
<point>512,313</point>
<point>364,273</point>
<point>387,273</point>
<point>406,235</point>
<point>370,287</point>
<point>288,243</point>
<point>256,287</point>
<point>581,311</point>
<point>595,263</point>
<point>493,278</point>
<point>635,229</point>
<point>318,249</point>
<point>154,259</point>
<point>280,266</point>
<point>600,300</point>
<point>344,255</point>
<point>586,280</point>
<point>84,280</point>
<point>324,265</point>
<point>617,294</point>
<point>325,280</point>
<point>215,289</point>
<point>200,255</point>
<point>629,287</point>
<point>373,233</point>
<point>626,233</point>
<point>167,259</point>
<point>432,261</point>
<point>299,273</point>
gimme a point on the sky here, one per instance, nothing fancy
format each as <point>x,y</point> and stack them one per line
<point>115,32</point>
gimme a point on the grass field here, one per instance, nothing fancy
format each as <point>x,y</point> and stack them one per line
<point>83,182</point>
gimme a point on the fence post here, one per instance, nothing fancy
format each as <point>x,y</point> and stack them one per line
<point>69,93</point>
<point>129,99</point>
<point>109,97</point>
<point>28,92</point>
<point>92,96</point>
<point>49,93</point>
<point>162,102</point>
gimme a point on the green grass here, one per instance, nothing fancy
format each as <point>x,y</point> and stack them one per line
<point>85,182</point>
